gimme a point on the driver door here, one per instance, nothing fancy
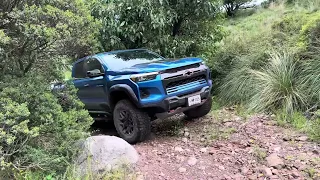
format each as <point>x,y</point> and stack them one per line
<point>92,90</point>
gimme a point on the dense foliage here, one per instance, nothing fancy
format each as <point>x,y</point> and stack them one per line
<point>38,35</point>
<point>172,28</point>
<point>36,131</point>
<point>37,39</point>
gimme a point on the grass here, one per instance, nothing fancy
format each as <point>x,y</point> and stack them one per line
<point>279,85</point>
<point>259,153</point>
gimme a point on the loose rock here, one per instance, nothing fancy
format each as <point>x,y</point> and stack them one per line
<point>185,140</point>
<point>182,170</point>
<point>274,177</point>
<point>275,171</point>
<point>252,177</point>
<point>302,138</point>
<point>267,172</point>
<point>274,161</point>
<point>244,170</point>
<point>295,174</point>
<point>178,149</point>
<point>227,177</point>
<point>186,134</point>
<point>203,150</point>
<point>192,161</point>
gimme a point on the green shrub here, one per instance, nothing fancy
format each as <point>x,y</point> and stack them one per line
<point>286,31</point>
<point>37,133</point>
<point>310,40</point>
<point>279,85</point>
<point>310,33</point>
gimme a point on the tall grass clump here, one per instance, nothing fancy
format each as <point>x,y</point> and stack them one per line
<point>283,83</point>
<point>279,85</point>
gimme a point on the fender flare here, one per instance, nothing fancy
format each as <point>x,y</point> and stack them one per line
<point>127,89</point>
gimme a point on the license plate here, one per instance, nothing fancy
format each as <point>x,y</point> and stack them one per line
<point>194,100</point>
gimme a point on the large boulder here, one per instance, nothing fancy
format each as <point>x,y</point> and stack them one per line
<point>100,154</point>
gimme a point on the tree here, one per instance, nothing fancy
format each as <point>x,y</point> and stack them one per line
<point>40,35</point>
<point>170,27</point>
<point>231,6</point>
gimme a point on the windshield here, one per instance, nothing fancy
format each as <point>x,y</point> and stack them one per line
<point>130,58</point>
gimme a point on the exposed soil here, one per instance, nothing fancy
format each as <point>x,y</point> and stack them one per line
<point>225,146</point>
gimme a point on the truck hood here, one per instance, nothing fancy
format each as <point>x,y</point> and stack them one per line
<point>156,66</point>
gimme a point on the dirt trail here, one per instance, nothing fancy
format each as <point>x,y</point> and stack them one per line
<point>224,146</point>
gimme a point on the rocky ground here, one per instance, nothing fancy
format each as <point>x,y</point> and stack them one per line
<point>225,146</point>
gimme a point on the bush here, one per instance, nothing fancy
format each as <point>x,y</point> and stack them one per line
<point>37,133</point>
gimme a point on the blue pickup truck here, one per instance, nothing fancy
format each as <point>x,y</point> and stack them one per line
<point>137,86</point>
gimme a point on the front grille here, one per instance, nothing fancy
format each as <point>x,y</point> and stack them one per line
<point>184,84</point>
<point>174,70</point>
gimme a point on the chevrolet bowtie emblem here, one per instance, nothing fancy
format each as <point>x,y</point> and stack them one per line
<point>188,73</point>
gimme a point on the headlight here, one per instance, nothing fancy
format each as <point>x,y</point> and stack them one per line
<point>144,77</point>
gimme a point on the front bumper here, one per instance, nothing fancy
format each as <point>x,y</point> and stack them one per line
<point>177,104</point>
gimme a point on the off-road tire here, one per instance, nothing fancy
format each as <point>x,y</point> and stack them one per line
<point>200,110</point>
<point>140,119</point>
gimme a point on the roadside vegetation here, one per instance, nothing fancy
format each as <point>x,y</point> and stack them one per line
<point>269,62</point>
<point>263,59</point>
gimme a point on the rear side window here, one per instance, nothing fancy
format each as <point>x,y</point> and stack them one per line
<point>79,71</point>
<point>92,64</point>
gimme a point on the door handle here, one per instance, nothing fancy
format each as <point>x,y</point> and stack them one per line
<point>99,85</point>
<point>86,85</point>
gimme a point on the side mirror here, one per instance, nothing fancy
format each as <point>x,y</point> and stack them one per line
<point>95,73</point>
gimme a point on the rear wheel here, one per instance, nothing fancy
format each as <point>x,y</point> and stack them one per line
<point>132,124</point>
<point>200,110</point>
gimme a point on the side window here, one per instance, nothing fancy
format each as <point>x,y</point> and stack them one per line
<point>93,64</point>
<point>79,71</point>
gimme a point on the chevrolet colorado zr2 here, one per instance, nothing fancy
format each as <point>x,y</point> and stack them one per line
<point>137,86</point>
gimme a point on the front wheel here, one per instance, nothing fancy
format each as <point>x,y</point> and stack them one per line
<point>200,110</point>
<point>132,124</point>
